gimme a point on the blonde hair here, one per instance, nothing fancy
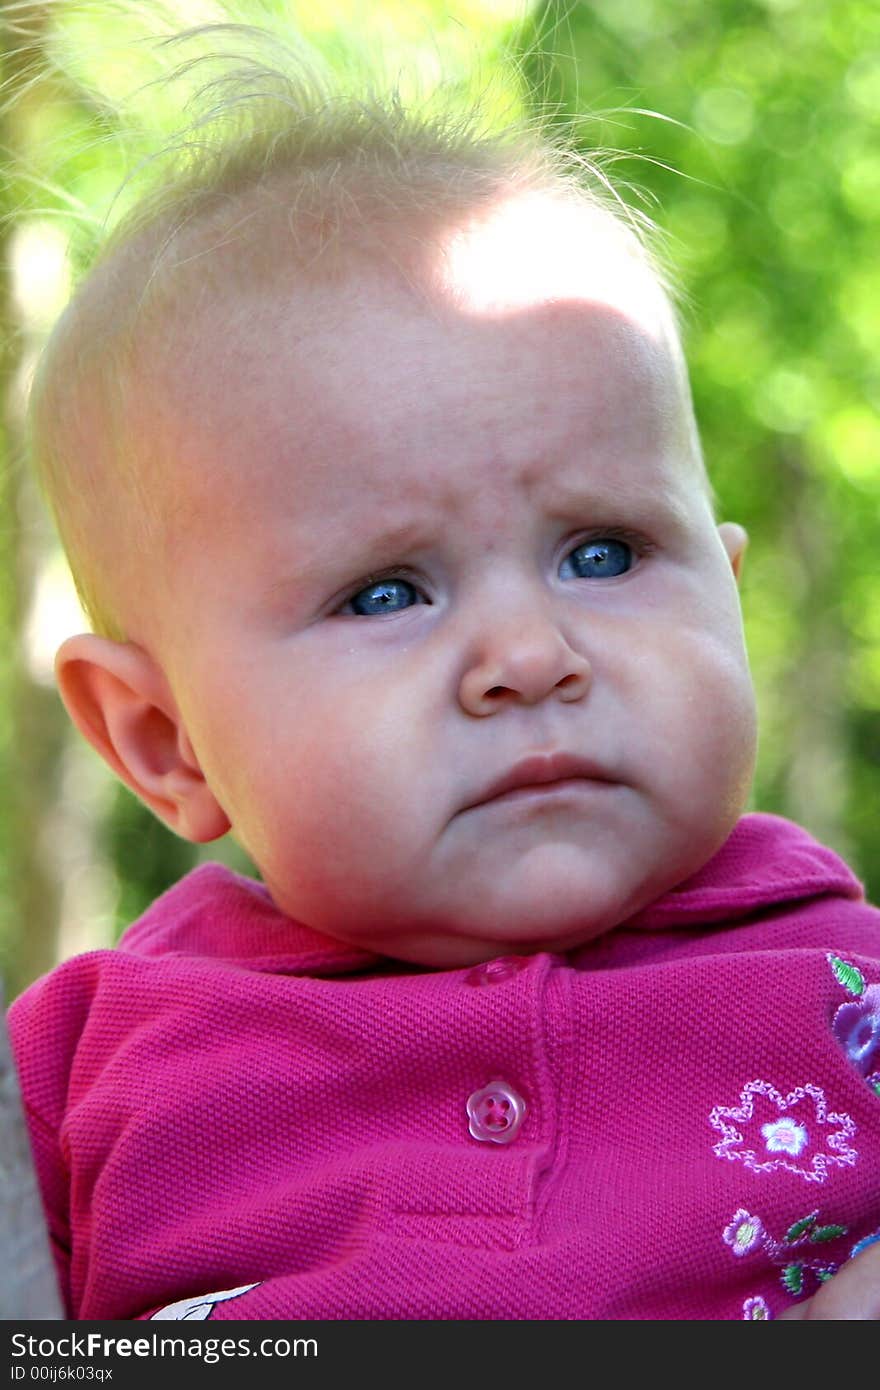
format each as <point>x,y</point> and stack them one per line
<point>273,145</point>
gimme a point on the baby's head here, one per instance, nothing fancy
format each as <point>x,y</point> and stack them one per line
<point>376,463</point>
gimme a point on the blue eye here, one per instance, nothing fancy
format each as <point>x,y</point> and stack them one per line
<point>604,558</point>
<point>386,596</point>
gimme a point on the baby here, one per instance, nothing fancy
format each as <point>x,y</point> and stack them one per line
<point>372,448</point>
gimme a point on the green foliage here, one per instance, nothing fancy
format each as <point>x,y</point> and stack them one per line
<point>146,856</point>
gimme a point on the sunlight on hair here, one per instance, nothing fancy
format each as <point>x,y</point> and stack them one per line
<point>40,272</point>
<point>500,262</point>
<point>55,613</point>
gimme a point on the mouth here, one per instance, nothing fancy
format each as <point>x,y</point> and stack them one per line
<point>543,775</point>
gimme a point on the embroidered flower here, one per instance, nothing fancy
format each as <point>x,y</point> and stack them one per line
<point>784,1136</point>
<point>744,1232</point>
<point>857,1029</point>
<point>756,1310</point>
<point>768,1130</point>
<point>793,1255</point>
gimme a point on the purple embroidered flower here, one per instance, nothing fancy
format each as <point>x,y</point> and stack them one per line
<point>784,1136</point>
<point>857,1029</point>
<point>756,1310</point>
<point>744,1232</point>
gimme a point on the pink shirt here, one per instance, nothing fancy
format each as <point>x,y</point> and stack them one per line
<point>239,1117</point>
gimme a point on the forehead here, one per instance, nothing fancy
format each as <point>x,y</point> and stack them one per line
<point>525,332</point>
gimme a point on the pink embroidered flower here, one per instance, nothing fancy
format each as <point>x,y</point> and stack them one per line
<point>784,1136</point>
<point>744,1232</point>
<point>767,1130</point>
<point>857,1029</point>
<point>756,1310</point>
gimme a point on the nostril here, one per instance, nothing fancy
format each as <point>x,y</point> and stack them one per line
<point>496,692</point>
<point>568,681</point>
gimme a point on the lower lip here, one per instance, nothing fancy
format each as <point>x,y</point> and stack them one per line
<point>551,791</point>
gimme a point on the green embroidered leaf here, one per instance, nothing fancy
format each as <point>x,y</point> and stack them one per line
<point>823,1275</point>
<point>799,1228</point>
<point>847,975</point>
<point>793,1278</point>
<point>876,1086</point>
<point>827,1232</point>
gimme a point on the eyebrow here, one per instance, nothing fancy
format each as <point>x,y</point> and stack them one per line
<point>375,551</point>
<point>669,508</point>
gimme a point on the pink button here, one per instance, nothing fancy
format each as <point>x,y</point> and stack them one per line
<point>495,972</point>
<point>495,1113</point>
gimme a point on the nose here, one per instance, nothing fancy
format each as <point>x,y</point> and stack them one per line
<point>522,661</point>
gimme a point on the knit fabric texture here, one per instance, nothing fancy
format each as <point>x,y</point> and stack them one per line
<point>234,1117</point>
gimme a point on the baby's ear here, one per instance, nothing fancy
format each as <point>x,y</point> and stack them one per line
<point>734,538</point>
<point>119,699</point>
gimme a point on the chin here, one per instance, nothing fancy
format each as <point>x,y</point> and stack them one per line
<point>561,911</point>
<point>554,900</point>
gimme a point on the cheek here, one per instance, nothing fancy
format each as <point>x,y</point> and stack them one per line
<point>699,704</point>
<point>348,767</point>
<point>340,840</point>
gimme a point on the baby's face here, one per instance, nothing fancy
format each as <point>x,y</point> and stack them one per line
<point>457,642</point>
